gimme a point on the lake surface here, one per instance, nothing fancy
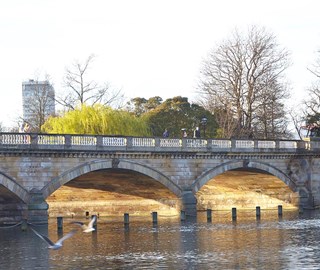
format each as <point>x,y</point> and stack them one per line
<point>292,242</point>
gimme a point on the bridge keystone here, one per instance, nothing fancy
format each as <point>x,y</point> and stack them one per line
<point>115,163</point>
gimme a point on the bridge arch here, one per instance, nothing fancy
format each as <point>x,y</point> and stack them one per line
<point>14,187</point>
<point>67,176</point>
<point>211,173</point>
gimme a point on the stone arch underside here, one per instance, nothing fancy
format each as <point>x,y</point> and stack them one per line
<point>73,173</point>
<point>13,200</point>
<point>16,189</point>
<point>236,184</point>
<point>111,188</point>
<point>208,175</point>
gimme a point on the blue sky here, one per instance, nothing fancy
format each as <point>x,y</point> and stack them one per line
<point>145,48</point>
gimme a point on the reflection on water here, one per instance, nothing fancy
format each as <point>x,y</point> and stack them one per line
<point>289,243</point>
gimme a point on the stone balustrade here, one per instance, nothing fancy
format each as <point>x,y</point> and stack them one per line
<point>34,166</point>
<point>35,141</point>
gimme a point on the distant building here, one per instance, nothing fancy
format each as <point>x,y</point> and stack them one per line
<point>38,102</point>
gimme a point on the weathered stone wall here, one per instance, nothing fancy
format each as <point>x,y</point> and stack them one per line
<point>183,174</point>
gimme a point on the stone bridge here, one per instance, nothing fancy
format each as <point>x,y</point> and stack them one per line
<point>35,167</point>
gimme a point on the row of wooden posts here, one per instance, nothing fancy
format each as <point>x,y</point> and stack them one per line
<point>182,216</point>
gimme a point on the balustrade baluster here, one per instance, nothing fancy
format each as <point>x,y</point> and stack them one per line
<point>83,141</point>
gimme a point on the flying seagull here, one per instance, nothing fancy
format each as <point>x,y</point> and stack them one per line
<point>87,228</point>
<point>52,245</point>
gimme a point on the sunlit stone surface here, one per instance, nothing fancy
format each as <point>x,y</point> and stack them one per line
<point>111,193</point>
<point>246,189</point>
<point>115,192</point>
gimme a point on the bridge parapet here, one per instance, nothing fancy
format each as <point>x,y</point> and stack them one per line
<point>34,165</point>
<point>81,142</point>
<point>312,143</point>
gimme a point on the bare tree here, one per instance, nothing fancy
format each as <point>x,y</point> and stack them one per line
<point>315,68</point>
<point>38,103</point>
<point>310,116</point>
<point>243,78</point>
<point>271,119</point>
<point>223,115</point>
<point>312,103</point>
<point>298,121</point>
<point>80,90</point>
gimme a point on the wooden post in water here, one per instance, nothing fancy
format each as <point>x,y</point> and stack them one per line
<point>183,215</point>
<point>60,223</point>
<point>209,215</point>
<point>234,214</point>
<point>154,217</point>
<point>280,210</point>
<point>258,212</point>
<point>126,220</point>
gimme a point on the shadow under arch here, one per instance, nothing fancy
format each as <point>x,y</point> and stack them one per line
<point>84,168</point>
<point>17,189</point>
<point>208,175</point>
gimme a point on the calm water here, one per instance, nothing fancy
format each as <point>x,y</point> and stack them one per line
<point>290,243</point>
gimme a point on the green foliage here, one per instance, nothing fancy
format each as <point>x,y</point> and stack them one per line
<point>313,119</point>
<point>98,120</point>
<point>313,124</point>
<point>139,106</point>
<point>177,113</point>
<point>136,106</point>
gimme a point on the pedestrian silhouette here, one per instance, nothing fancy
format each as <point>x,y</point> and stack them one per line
<point>165,133</point>
<point>196,133</point>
